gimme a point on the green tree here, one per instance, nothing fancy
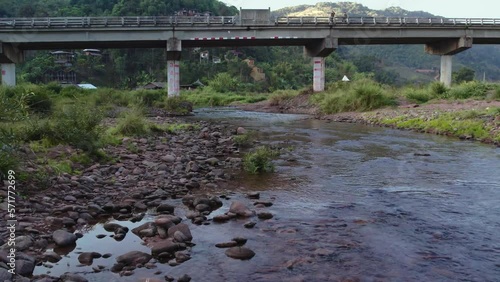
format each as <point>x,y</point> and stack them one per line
<point>463,74</point>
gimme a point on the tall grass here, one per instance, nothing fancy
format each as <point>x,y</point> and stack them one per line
<point>260,160</point>
<point>132,123</point>
<point>361,95</point>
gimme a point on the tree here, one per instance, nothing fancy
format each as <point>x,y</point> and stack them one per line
<point>464,74</point>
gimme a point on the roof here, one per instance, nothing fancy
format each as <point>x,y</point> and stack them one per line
<point>86,86</point>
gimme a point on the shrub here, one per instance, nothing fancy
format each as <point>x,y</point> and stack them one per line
<point>77,125</point>
<point>472,89</point>
<point>133,123</point>
<point>223,82</point>
<point>177,105</point>
<point>8,156</point>
<point>418,95</point>
<point>149,97</point>
<point>260,160</point>
<point>438,89</point>
<point>244,140</point>
<point>361,95</point>
<point>280,96</point>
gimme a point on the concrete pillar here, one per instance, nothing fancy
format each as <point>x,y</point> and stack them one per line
<point>446,68</point>
<point>173,78</point>
<point>8,74</point>
<point>319,74</point>
<point>173,70</point>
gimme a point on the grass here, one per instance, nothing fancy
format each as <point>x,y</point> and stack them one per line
<point>132,123</point>
<point>260,160</point>
<point>244,140</point>
<point>361,95</point>
<point>280,96</point>
<point>478,125</point>
<point>207,97</point>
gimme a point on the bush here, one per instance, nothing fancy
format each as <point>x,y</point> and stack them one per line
<point>77,125</point>
<point>260,160</point>
<point>361,95</point>
<point>149,97</point>
<point>244,140</point>
<point>466,90</point>
<point>8,157</point>
<point>280,96</point>
<point>133,123</point>
<point>177,105</point>
<point>223,82</point>
<point>39,100</point>
<point>418,95</point>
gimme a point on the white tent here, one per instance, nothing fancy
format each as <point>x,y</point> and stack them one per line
<point>345,78</point>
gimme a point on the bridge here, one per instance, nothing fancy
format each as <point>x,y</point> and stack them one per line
<point>319,35</point>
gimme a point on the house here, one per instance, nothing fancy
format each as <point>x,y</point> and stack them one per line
<point>154,85</point>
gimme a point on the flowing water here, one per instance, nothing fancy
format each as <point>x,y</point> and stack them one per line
<point>351,203</point>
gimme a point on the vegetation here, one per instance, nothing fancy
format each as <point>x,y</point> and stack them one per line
<point>362,94</point>
<point>260,160</point>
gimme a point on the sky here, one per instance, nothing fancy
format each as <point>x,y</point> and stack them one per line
<point>445,8</point>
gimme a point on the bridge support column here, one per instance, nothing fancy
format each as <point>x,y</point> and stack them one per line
<point>319,74</point>
<point>173,66</point>
<point>446,69</point>
<point>446,49</point>
<point>319,50</point>
<point>8,74</point>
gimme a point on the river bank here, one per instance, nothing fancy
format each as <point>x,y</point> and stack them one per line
<point>477,120</point>
<point>143,183</point>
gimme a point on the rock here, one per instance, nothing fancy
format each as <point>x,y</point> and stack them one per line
<point>168,158</point>
<point>133,258</point>
<point>264,203</point>
<point>114,227</point>
<point>184,278</point>
<point>164,222</point>
<point>70,277</point>
<point>88,257</point>
<point>138,229</point>
<point>51,256</point>
<point>253,195</point>
<point>148,232</point>
<point>212,161</point>
<point>70,198</point>
<point>221,218</point>
<point>165,208</point>
<point>240,209</point>
<point>240,253</point>
<point>150,280</point>
<point>265,215</point>
<point>229,244</point>
<point>164,246</point>
<point>100,236</point>
<point>63,238</point>
<point>192,167</point>
<point>180,237</point>
<point>25,267</point>
<point>240,240</point>
<point>240,130</point>
<point>183,228</point>
<point>181,257</point>
<point>203,207</point>
<point>23,243</point>
<point>5,275</point>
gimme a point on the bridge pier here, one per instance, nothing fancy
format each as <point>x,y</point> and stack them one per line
<point>173,66</point>
<point>8,74</point>
<point>9,56</point>
<point>446,49</point>
<point>319,50</point>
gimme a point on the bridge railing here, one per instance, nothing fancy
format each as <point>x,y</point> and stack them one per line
<point>101,22</point>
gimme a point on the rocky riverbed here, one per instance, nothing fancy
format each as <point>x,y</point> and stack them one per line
<point>146,177</point>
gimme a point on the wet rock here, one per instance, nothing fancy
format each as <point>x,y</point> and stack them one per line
<point>253,195</point>
<point>138,229</point>
<point>165,246</point>
<point>164,222</point>
<point>133,258</point>
<point>263,203</point>
<point>184,278</point>
<point>63,238</point>
<point>88,257</point>
<point>183,228</point>
<point>240,240</point>
<point>111,226</point>
<point>165,208</point>
<point>203,207</point>
<point>25,267</point>
<point>100,236</point>
<point>117,267</point>
<point>181,257</point>
<point>150,280</point>
<point>107,255</point>
<point>229,244</point>
<point>221,218</point>
<point>240,253</point>
<point>265,215</point>
<point>249,224</point>
<point>148,232</point>
<point>51,256</point>
<point>240,209</point>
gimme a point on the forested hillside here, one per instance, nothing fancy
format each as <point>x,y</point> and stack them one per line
<point>283,67</point>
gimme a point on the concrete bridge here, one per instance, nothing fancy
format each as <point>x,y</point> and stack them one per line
<point>319,35</point>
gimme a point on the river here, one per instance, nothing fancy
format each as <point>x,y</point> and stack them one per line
<point>351,203</point>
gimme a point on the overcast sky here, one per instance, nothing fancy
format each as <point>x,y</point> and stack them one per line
<point>446,8</point>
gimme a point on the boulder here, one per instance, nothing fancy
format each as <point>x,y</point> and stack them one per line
<point>133,258</point>
<point>240,253</point>
<point>63,238</point>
